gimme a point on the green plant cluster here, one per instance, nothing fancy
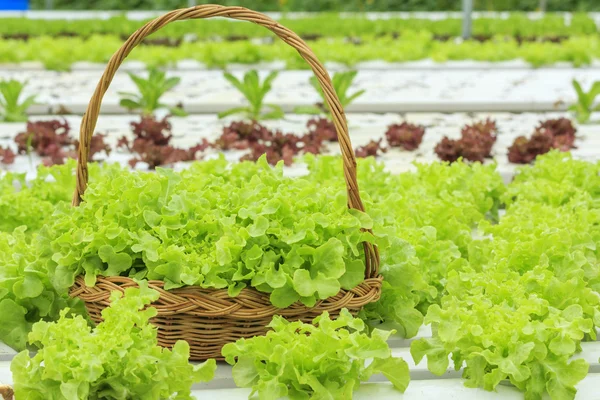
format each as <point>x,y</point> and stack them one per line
<point>525,296</point>
<point>26,293</point>
<point>510,296</point>
<point>31,202</point>
<point>214,226</point>
<point>341,81</point>
<point>150,90</point>
<point>334,5</point>
<point>249,237</point>
<point>323,24</point>
<point>324,360</point>
<point>586,101</point>
<point>60,54</point>
<point>13,106</point>
<point>427,218</point>
<point>254,91</point>
<point>118,359</point>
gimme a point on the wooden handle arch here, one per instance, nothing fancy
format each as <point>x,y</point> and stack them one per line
<point>88,123</point>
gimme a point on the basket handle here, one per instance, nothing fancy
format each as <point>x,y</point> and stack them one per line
<point>88,123</point>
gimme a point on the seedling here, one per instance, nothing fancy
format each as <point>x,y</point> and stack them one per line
<point>150,92</point>
<point>255,92</point>
<point>584,107</point>
<point>341,84</point>
<point>10,108</point>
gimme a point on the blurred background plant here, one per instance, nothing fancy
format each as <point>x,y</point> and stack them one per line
<point>334,5</point>
<point>150,90</point>
<point>255,92</point>
<point>13,108</point>
<point>341,84</point>
<point>585,105</point>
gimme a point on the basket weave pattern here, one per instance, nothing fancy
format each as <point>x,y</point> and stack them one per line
<point>6,392</point>
<point>209,318</point>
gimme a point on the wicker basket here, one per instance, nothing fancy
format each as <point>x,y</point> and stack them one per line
<point>6,392</point>
<point>209,318</point>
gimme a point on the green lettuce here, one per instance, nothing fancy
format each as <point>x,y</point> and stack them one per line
<point>555,179</point>
<point>32,202</point>
<point>26,293</point>
<point>527,295</point>
<point>509,298</point>
<point>118,359</point>
<point>494,325</point>
<point>324,360</point>
<point>424,221</point>
<point>214,225</point>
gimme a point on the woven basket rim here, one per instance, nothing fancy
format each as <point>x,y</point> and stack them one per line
<point>186,297</point>
<point>208,322</point>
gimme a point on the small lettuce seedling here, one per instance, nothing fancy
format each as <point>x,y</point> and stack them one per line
<point>255,92</point>
<point>584,107</point>
<point>10,108</point>
<point>150,92</point>
<point>341,84</point>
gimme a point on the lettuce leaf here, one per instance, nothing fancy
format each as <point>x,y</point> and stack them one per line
<point>423,222</point>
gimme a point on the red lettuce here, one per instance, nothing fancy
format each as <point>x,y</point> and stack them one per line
<point>405,135</point>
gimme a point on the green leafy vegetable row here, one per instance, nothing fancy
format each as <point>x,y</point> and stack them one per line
<point>319,5</point>
<point>32,202</point>
<point>26,294</point>
<point>60,54</point>
<point>253,227</point>
<point>329,25</point>
<point>120,358</point>
<point>519,305</point>
<point>510,297</point>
